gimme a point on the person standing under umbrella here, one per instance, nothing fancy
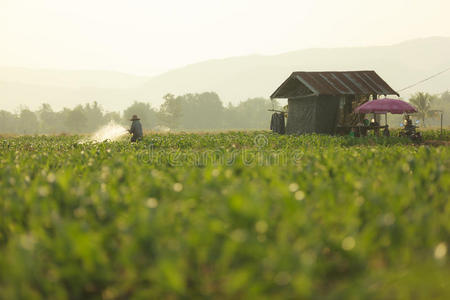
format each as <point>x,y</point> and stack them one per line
<point>136,129</point>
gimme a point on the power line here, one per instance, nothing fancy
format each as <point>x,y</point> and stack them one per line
<point>426,79</point>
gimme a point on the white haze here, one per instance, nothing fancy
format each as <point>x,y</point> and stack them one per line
<point>110,132</point>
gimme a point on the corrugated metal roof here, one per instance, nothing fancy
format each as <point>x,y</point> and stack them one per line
<point>334,83</point>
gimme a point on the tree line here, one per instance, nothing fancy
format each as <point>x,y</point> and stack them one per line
<point>203,111</point>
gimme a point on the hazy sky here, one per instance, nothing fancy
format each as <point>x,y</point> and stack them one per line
<point>148,37</point>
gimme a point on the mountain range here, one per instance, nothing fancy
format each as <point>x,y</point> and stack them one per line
<point>234,79</point>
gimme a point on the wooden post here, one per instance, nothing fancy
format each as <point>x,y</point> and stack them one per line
<point>376,117</point>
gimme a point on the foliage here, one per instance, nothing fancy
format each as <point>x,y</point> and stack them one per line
<point>252,114</point>
<point>341,218</point>
<point>81,119</point>
<point>76,120</point>
<point>30,122</point>
<point>203,111</point>
<point>445,97</point>
<point>145,112</point>
<point>170,112</point>
<point>422,102</point>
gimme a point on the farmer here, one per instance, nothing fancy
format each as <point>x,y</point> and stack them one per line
<point>136,129</point>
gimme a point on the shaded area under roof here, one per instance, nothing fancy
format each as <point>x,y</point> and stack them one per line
<point>301,84</point>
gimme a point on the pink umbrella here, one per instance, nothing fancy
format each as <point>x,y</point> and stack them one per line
<point>383,106</point>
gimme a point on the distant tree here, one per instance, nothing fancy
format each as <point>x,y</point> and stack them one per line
<point>112,116</point>
<point>206,111</point>
<point>50,121</point>
<point>28,122</point>
<point>75,120</point>
<point>201,111</point>
<point>422,102</point>
<point>8,122</point>
<point>170,112</point>
<point>250,114</point>
<point>440,104</point>
<point>144,111</point>
<point>445,97</point>
<point>94,116</point>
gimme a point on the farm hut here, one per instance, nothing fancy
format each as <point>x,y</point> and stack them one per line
<point>324,102</point>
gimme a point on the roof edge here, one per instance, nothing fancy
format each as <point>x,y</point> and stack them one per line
<point>360,82</point>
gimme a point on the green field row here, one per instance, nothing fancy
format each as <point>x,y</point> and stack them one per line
<point>240,215</point>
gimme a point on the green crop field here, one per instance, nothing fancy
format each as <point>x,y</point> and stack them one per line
<point>239,215</point>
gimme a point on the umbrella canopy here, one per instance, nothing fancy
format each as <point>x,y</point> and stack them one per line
<point>382,106</point>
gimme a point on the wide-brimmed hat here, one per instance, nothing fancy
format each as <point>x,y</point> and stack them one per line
<point>134,118</point>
